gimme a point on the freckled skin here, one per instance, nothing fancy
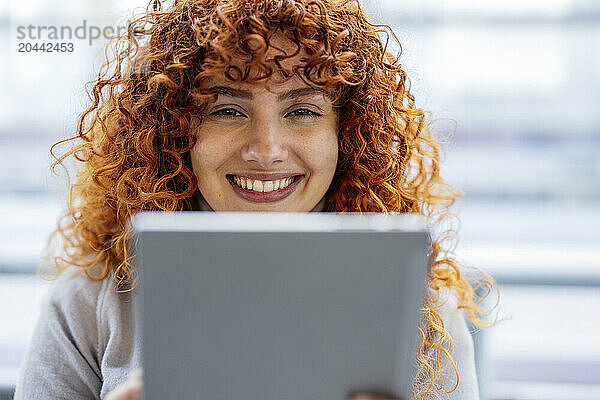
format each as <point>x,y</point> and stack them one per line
<point>265,134</point>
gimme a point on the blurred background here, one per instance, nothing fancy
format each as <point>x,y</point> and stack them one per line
<point>517,81</point>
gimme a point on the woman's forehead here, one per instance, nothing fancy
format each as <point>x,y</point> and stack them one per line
<point>283,89</point>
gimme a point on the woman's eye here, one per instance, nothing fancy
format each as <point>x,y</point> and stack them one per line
<point>303,113</point>
<point>228,113</point>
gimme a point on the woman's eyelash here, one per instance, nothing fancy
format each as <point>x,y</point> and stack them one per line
<point>228,113</point>
<point>304,113</point>
<point>233,113</point>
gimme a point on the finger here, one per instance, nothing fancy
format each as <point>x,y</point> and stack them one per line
<point>371,395</point>
<point>130,390</point>
<point>135,391</point>
<point>136,374</point>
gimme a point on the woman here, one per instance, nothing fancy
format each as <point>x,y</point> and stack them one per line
<point>292,105</point>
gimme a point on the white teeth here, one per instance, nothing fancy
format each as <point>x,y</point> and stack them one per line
<point>268,186</point>
<point>257,186</point>
<point>262,186</point>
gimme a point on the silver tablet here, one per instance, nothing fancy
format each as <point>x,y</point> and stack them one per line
<point>279,306</point>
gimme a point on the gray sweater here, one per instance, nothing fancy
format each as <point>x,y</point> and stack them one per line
<point>86,341</point>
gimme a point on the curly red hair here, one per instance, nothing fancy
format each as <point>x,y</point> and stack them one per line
<point>134,140</point>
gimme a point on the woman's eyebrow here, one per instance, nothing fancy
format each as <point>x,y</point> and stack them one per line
<point>231,92</point>
<point>290,94</point>
<point>303,92</point>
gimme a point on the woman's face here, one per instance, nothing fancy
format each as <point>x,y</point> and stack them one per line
<point>265,147</point>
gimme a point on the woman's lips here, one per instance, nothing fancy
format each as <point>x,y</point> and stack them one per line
<point>265,197</point>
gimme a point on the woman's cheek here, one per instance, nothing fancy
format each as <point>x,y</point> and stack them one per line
<point>210,153</point>
<point>321,152</point>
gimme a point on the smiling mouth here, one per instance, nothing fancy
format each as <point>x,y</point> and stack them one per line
<point>263,186</point>
<point>264,190</point>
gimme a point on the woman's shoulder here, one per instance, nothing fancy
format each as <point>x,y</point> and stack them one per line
<point>65,340</point>
<point>75,299</point>
<point>74,280</point>
<point>75,293</point>
<point>444,302</point>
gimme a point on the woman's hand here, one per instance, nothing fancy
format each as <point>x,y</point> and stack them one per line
<point>370,395</point>
<point>130,389</point>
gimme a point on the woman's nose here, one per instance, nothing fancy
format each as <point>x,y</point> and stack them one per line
<point>265,145</point>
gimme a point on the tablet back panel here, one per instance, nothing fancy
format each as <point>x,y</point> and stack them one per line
<point>272,315</point>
